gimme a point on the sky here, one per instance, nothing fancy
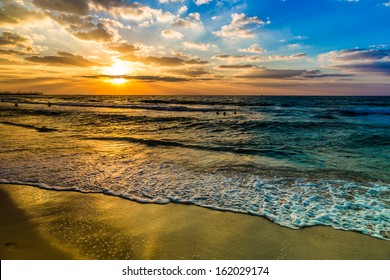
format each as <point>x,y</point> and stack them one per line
<point>197,47</point>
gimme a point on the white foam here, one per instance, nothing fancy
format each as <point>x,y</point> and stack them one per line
<point>340,204</point>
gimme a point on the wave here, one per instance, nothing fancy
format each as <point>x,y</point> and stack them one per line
<point>145,107</point>
<point>209,102</point>
<point>299,205</point>
<point>365,111</point>
<point>156,107</point>
<point>39,129</point>
<point>230,149</point>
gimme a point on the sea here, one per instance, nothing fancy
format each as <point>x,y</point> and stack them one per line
<point>297,161</point>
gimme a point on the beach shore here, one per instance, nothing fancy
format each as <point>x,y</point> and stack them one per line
<point>44,224</point>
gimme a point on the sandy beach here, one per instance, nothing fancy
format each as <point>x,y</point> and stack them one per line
<point>43,224</point>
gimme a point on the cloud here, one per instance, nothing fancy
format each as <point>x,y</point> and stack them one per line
<point>378,67</point>
<point>84,27</point>
<point>182,10</point>
<point>297,55</point>
<point>266,73</point>
<point>13,39</point>
<point>79,7</point>
<point>193,22</point>
<point>256,58</point>
<point>356,54</point>
<point>13,14</point>
<point>15,44</point>
<point>255,48</point>
<point>168,1</point>
<point>292,46</point>
<point>375,60</point>
<point>386,4</point>
<point>236,66</point>
<point>170,61</point>
<point>201,2</point>
<point>170,33</point>
<point>146,78</point>
<point>63,59</point>
<point>236,57</point>
<point>132,11</point>
<point>114,23</point>
<point>99,33</point>
<point>11,52</point>
<point>241,26</point>
<point>123,48</point>
<point>192,72</point>
<point>199,46</point>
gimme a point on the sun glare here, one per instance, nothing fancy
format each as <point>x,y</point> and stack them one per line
<point>118,68</point>
<point>117,81</point>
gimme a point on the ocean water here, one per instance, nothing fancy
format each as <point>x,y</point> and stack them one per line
<point>298,161</point>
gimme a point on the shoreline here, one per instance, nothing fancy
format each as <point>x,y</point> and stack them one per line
<point>49,224</point>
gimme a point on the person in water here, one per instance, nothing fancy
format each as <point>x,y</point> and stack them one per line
<point>16,104</point>
<point>48,104</point>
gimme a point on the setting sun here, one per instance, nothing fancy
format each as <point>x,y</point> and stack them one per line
<point>117,81</point>
<point>118,68</point>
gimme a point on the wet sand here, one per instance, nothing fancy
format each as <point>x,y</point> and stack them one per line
<point>43,224</point>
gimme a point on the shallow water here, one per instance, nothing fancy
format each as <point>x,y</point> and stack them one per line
<point>299,161</point>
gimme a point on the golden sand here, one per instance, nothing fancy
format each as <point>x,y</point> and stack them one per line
<point>43,224</point>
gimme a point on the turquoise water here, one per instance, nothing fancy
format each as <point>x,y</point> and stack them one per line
<point>299,161</point>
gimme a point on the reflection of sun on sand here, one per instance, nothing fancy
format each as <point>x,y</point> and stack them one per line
<point>42,224</point>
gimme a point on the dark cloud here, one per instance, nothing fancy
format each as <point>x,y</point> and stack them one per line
<point>73,21</point>
<point>297,55</point>
<point>13,39</point>
<point>196,61</point>
<point>12,13</point>
<point>323,75</point>
<point>170,61</point>
<point>192,72</point>
<point>146,78</point>
<point>99,33</point>
<point>256,58</point>
<point>375,60</point>
<point>63,59</point>
<point>379,67</point>
<point>163,61</point>
<point>12,52</point>
<point>360,54</point>
<point>239,66</point>
<point>15,44</point>
<point>79,7</point>
<point>123,48</point>
<point>78,22</point>
<point>265,73</point>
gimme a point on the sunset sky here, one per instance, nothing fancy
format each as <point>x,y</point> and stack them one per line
<point>323,47</point>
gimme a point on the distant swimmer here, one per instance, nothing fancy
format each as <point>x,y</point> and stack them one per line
<point>48,104</point>
<point>217,112</point>
<point>16,104</point>
<point>224,113</point>
<point>235,112</point>
<point>2,100</point>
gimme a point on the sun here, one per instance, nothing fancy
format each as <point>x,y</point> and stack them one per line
<point>118,68</point>
<point>117,81</point>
